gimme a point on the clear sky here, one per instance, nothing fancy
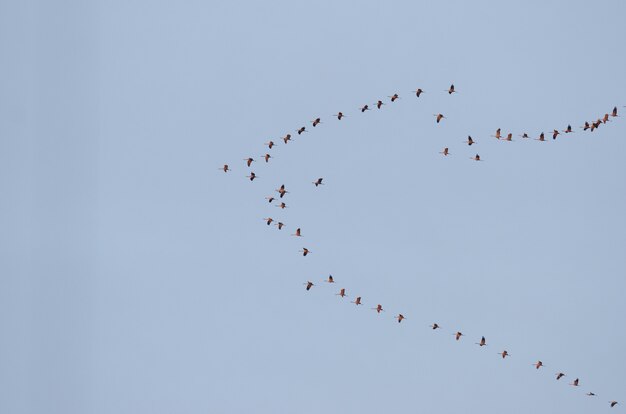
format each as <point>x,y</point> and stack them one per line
<point>137,277</point>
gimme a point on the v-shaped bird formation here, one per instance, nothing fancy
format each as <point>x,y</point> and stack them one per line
<point>588,126</point>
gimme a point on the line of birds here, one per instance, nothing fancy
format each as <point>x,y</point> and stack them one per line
<point>457,334</point>
<point>282,191</point>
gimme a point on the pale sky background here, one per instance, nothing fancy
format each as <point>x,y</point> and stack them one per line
<point>137,277</point>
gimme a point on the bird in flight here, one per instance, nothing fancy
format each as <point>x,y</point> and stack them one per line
<point>591,394</point>
<point>538,364</point>
<point>542,137</point>
<point>379,308</point>
<point>509,137</point>
<point>301,130</point>
<point>434,326</point>
<point>575,383</point>
<point>400,317</point>
<point>504,354</point>
<point>225,168</point>
<point>475,157</point>
<point>524,135</point>
<point>282,205</point>
<point>318,182</point>
<point>559,376</point>
<point>482,342</point>
<point>445,151</point>
<point>451,90</point>
<point>339,115</point>
<point>282,190</point>
<point>379,103</point>
<point>395,96</point>
<point>418,92</point>
<point>498,136</point>
<point>252,176</point>
<point>287,138</point>
<point>357,301</point>
<point>439,117</point>
<point>267,157</point>
<point>305,251</point>
<point>280,225</point>
<point>365,108</point>
<point>613,403</point>
<point>270,199</point>
<point>555,133</point>
<point>270,144</point>
<point>342,292</point>
<point>249,161</point>
<point>316,121</point>
<point>297,233</point>
<point>469,141</point>
<point>568,129</point>
<point>330,279</point>
<point>614,113</point>
<point>457,335</point>
<point>309,285</point>
<point>268,220</point>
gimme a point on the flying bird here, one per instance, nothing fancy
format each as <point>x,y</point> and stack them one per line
<point>586,126</point>
<point>339,115</point>
<point>282,190</point>
<point>482,342</point>
<point>365,108</point>
<point>445,151</point>
<point>280,225</point>
<point>614,113</point>
<point>418,92</point>
<point>270,144</point>
<point>568,129</point>
<point>439,117</point>
<point>270,199</point>
<point>318,182</point>
<point>357,301</point>
<point>330,279</point>
<point>575,383</point>
<point>504,354</point>
<point>559,376</point>
<point>249,161</point>
<point>509,137</point>
<point>309,285</point>
<point>613,403</point>
<point>301,130</point>
<point>225,168</point>
<point>281,205</point>
<point>316,121</point>
<point>252,176</point>
<point>297,233</point>
<point>287,138</point>
<point>395,96</point>
<point>591,394</point>
<point>378,308</point>
<point>555,133</point>
<point>524,135</point>
<point>434,326</point>
<point>451,90</point>
<point>400,317</point>
<point>457,335</point>
<point>379,103</point>
<point>268,220</point>
<point>469,141</point>
<point>267,157</point>
<point>475,157</point>
<point>542,137</point>
<point>497,134</point>
<point>342,292</point>
<point>538,364</point>
<point>605,119</point>
<point>305,251</point>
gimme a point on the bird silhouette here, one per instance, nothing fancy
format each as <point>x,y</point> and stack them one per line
<point>575,383</point>
<point>316,122</point>
<point>305,251</point>
<point>339,115</point>
<point>445,151</point>
<point>225,168</point>
<point>538,364</point>
<point>434,326</point>
<point>249,161</point>
<point>379,103</point>
<point>504,354</point>
<point>252,176</point>
<point>287,138</point>
<point>439,117</point>
<point>418,92</point>
<point>475,157</point>
<point>301,130</point>
<point>365,108</point>
<point>497,135</point>
<point>270,144</point>
<point>457,335</point>
<point>318,182</point>
<point>330,279</point>
<point>268,220</point>
<point>342,292</point>
<point>280,225</point>
<point>309,285</point>
<point>400,317</point>
<point>357,301</point>
<point>379,308</point>
<point>395,96</point>
<point>267,157</point>
<point>451,90</point>
<point>559,376</point>
<point>297,233</point>
<point>482,342</point>
<point>469,141</point>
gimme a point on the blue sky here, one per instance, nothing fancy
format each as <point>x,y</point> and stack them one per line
<point>137,277</point>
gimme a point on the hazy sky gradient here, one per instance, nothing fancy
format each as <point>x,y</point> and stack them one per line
<point>137,277</point>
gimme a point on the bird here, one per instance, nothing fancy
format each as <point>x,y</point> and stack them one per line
<point>445,151</point>
<point>267,157</point>
<point>541,137</point>
<point>297,233</point>
<point>418,92</point>
<point>270,144</point>
<point>555,133</point>
<point>586,126</point>
<point>330,279</point>
<point>614,113</point>
<point>252,176</point>
<point>280,225</point>
<point>559,376</point>
<point>342,292</point>
<point>524,135</point>
<point>365,108</point>
<point>301,130</point>
<point>568,129</point>
<point>318,182</point>
<point>225,168</point>
<point>281,205</point>
<point>605,119</point>
<point>475,157</point>
<point>613,403</point>
<point>357,301</point>
<point>379,103</point>
<point>282,191</point>
<point>504,354</point>
<point>469,141</point>
<point>379,308</point>
<point>591,394</point>
<point>287,138</point>
<point>439,117</point>
<point>451,90</point>
<point>309,285</point>
<point>538,364</point>
<point>268,220</point>
<point>270,199</point>
<point>305,251</point>
<point>339,115</point>
<point>575,383</point>
<point>249,161</point>
<point>509,137</point>
<point>457,335</point>
<point>395,96</point>
<point>434,326</point>
<point>316,121</point>
<point>482,342</point>
<point>497,134</point>
<point>400,317</point>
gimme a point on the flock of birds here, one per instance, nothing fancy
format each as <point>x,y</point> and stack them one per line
<point>281,191</point>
